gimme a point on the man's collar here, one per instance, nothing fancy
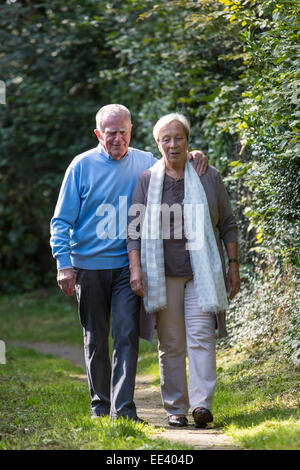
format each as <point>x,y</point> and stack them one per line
<point>104,153</point>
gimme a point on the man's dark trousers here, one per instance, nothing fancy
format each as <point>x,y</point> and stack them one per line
<point>103,294</point>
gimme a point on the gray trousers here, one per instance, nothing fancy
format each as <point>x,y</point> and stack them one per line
<point>104,297</point>
<point>182,327</point>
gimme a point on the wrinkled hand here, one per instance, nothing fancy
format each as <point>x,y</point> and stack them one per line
<point>200,161</point>
<point>137,282</point>
<point>233,281</point>
<point>66,279</point>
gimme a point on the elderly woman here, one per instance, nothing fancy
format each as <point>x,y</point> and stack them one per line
<point>177,265</point>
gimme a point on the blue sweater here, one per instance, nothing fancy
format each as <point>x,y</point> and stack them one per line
<point>88,229</point>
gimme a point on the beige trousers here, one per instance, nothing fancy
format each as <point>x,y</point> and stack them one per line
<point>183,328</point>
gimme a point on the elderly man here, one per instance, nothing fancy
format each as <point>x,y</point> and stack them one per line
<point>88,240</point>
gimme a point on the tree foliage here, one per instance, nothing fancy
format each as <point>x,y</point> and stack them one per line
<point>229,65</point>
<point>50,61</point>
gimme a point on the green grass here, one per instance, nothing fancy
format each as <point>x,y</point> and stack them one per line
<point>44,404</point>
<point>43,315</point>
<point>257,400</point>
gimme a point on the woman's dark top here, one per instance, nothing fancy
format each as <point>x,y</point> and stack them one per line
<point>176,256</point>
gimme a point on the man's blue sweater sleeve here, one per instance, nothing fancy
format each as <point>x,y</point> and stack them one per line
<point>64,218</point>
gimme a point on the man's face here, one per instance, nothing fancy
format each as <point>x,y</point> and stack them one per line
<point>115,135</point>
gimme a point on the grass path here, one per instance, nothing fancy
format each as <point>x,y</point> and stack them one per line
<point>148,402</point>
<point>256,404</point>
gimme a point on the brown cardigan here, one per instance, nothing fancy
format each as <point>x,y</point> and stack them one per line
<point>223,223</point>
<point>177,262</point>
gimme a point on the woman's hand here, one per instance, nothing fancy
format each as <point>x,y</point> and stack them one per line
<point>233,282</point>
<point>137,281</point>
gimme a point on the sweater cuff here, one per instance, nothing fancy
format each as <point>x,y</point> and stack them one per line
<point>230,238</point>
<point>64,262</point>
<point>133,245</point>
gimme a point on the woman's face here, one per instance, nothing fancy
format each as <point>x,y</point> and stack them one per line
<point>173,143</point>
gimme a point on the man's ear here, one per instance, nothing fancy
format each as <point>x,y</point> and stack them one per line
<point>97,133</point>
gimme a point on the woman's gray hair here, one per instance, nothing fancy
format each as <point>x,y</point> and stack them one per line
<point>110,110</point>
<point>169,118</point>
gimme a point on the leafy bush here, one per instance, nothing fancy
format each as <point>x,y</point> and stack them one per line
<point>265,315</point>
<point>50,56</point>
<point>231,66</point>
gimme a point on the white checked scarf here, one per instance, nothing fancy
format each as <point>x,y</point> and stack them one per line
<point>205,260</point>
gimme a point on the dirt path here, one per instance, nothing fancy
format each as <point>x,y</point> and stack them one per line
<point>148,402</point>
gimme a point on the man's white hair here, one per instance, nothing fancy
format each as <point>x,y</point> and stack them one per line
<point>110,110</point>
<point>169,118</point>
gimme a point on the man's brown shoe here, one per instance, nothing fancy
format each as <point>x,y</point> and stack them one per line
<point>177,421</point>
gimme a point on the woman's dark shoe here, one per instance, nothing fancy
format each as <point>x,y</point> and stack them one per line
<point>177,421</point>
<point>202,416</point>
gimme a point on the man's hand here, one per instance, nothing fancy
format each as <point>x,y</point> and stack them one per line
<point>200,161</point>
<point>137,281</point>
<point>66,279</point>
<point>233,282</point>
